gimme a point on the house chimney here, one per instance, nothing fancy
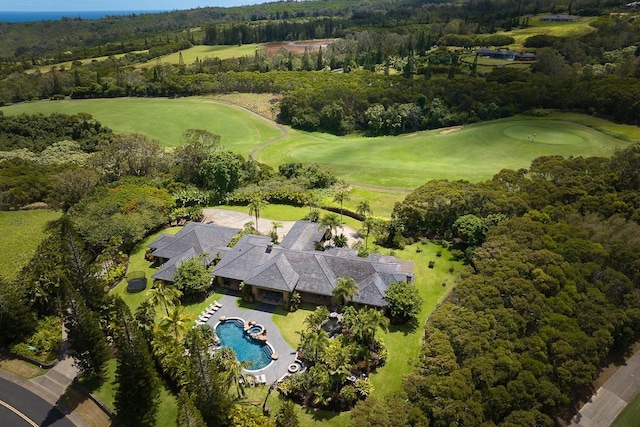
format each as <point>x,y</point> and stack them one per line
<point>269,247</point>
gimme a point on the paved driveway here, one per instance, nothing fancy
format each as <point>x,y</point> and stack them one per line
<point>261,315</point>
<point>239,219</point>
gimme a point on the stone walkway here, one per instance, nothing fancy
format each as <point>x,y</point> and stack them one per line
<point>261,315</point>
<point>610,399</point>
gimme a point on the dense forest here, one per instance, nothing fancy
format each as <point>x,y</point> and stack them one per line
<point>550,290</point>
<point>551,281</point>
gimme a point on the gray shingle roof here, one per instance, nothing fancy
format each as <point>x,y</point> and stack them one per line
<point>371,291</point>
<point>169,268</point>
<point>194,239</point>
<point>278,273</point>
<point>303,236</point>
<point>343,252</point>
<point>203,238</point>
<point>256,261</point>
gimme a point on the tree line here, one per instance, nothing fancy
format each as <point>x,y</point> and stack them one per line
<point>550,291</point>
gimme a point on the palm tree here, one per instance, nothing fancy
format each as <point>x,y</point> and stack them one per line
<point>315,342</point>
<point>164,295</point>
<point>315,318</point>
<point>275,225</point>
<point>371,320</point>
<point>336,359</point>
<point>176,322</point>
<point>342,195</point>
<point>344,290</point>
<point>364,209</point>
<point>232,368</point>
<point>367,227</point>
<point>255,205</point>
<point>332,222</point>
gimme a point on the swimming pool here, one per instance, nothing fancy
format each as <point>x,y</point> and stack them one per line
<point>257,353</point>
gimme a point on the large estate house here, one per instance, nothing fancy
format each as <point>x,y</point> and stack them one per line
<point>505,54</point>
<point>275,271</point>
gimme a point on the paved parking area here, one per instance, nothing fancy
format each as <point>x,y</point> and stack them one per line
<point>261,315</point>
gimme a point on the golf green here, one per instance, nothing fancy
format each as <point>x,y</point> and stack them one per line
<point>473,152</point>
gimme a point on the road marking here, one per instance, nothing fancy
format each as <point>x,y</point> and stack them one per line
<point>18,413</point>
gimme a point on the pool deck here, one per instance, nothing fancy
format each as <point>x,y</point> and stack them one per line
<point>262,316</point>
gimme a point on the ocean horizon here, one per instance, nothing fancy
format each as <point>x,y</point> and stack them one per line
<point>58,15</point>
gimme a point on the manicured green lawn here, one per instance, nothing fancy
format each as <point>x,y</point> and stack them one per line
<point>290,323</point>
<point>385,167</point>
<point>475,152</point>
<point>403,343</point>
<point>138,263</point>
<point>201,52</point>
<point>22,232</point>
<point>630,414</point>
<point>558,29</point>
<point>165,119</point>
<point>381,201</point>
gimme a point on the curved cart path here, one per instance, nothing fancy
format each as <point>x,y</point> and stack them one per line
<point>283,129</point>
<point>285,133</point>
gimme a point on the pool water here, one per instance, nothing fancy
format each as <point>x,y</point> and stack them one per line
<point>255,330</point>
<point>232,335</point>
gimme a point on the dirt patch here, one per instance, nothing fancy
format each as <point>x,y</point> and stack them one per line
<point>298,47</point>
<point>21,368</point>
<point>450,130</point>
<point>85,408</point>
<point>265,105</point>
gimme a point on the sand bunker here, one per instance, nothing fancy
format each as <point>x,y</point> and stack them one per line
<point>450,130</point>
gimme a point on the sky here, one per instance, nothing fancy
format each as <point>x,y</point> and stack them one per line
<point>106,5</point>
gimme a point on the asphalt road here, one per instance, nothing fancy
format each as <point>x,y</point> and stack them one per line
<point>37,411</point>
<point>610,399</point>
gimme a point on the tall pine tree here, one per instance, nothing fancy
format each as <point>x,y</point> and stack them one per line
<point>205,384</point>
<point>88,342</point>
<point>188,414</point>
<point>137,384</point>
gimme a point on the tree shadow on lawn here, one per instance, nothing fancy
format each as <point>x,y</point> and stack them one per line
<point>406,328</point>
<point>321,414</point>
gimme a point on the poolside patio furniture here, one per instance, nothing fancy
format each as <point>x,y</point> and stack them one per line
<point>261,379</point>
